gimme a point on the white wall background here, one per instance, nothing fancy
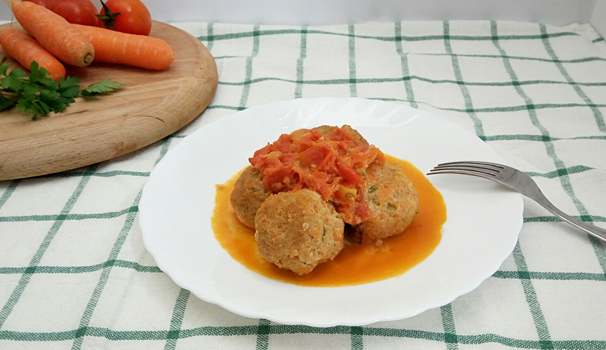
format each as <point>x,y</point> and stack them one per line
<point>555,12</point>
<point>598,18</point>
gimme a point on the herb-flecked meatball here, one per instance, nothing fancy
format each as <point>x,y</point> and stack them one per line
<point>392,199</point>
<point>298,230</point>
<point>248,195</point>
<point>327,129</point>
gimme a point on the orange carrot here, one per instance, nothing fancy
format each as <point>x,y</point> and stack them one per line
<point>129,49</point>
<point>54,33</point>
<point>25,49</point>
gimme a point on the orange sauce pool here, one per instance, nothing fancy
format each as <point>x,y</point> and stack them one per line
<point>356,263</point>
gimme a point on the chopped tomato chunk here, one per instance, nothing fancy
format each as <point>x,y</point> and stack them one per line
<point>332,164</point>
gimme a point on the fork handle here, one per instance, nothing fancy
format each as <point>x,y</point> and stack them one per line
<point>595,231</point>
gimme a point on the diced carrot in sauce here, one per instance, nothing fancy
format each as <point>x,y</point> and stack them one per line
<point>333,164</point>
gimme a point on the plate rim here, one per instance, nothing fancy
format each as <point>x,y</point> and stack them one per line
<point>276,318</point>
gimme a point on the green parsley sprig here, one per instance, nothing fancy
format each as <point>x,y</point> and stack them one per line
<point>37,94</point>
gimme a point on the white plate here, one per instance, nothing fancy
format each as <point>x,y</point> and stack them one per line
<point>484,218</point>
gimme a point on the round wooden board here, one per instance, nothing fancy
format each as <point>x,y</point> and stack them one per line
<point>148,107</point>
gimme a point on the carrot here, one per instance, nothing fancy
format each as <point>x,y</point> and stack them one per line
<point>54,33</point>
<point>129,49</point>
<point>25,49</point>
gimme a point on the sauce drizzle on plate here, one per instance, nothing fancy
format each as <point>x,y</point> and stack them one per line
<point>356,263</point>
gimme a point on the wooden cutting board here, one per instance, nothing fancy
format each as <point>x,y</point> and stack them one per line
<point>148,107</point>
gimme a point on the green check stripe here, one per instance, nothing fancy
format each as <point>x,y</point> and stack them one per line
<point>457,71</point>
<point>532,300</point>
<point>357,338</point>
<point>578,276</point>
<point>210,42</point>
<point>479,339</point>
<point>551,276</point>
<point>164,149</point>
<point>270,32</point>
<point>588,218</point>
<point>300,64</point>
<point>522,108</point>
<point>599,117</point>
<point>9,191</point>
<point>461,110</point>
<point>540,323</point>
<point>79,269</point>
<point>353,91</point>
<point>177,320</point>
<point>25,278</point>
<point>69,217</point>
<point>405,79</point>
<point>598,247</point>
<point>262,339</point>
<point>99,174</point>
<point>113,256</point>
<point>249,68</point>
<point>430,337</point>
<point>263,332</point>
<point>544,138</point>
<point>522,58</point>
<point>450,333</point>
<point>525,137</point>
<point>90,307</point>
<point>520,261</point>
<point>126,335</point>
<point>233,108</point>
<point>410,96</point>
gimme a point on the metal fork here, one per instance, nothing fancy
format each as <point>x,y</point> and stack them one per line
<point>517,181</point>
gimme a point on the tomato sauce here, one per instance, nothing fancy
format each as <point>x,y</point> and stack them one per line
<point>356,263</point>
<point>332,163</point>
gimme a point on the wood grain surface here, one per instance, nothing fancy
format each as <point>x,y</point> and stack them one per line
<point>148,107</point>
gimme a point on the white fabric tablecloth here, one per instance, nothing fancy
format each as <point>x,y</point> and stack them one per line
<point>74,273</point>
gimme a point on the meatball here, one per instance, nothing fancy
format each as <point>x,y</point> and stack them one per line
<point>392,199</point>
<point>326,129</point>
<point>298,230</point>
<point>248,195</point>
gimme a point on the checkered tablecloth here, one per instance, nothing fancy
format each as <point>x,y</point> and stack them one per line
<point>74,273</point>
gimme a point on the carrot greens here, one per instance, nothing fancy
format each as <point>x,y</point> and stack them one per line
<point>37,94</point>
<point>101,87</point>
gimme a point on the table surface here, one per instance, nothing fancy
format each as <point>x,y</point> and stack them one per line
<point>74,273</point>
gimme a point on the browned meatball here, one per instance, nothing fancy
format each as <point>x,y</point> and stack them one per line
<point>392,199</point>
<point>298,230</point>
<point>325,129</point>
<point>248,195</point>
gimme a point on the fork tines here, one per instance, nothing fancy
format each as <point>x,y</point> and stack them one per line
<point>483,169</point>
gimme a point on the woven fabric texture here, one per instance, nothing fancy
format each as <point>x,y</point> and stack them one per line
<point>74,273</point>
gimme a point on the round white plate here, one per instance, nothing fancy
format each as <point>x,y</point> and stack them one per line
<point>484,218</point>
